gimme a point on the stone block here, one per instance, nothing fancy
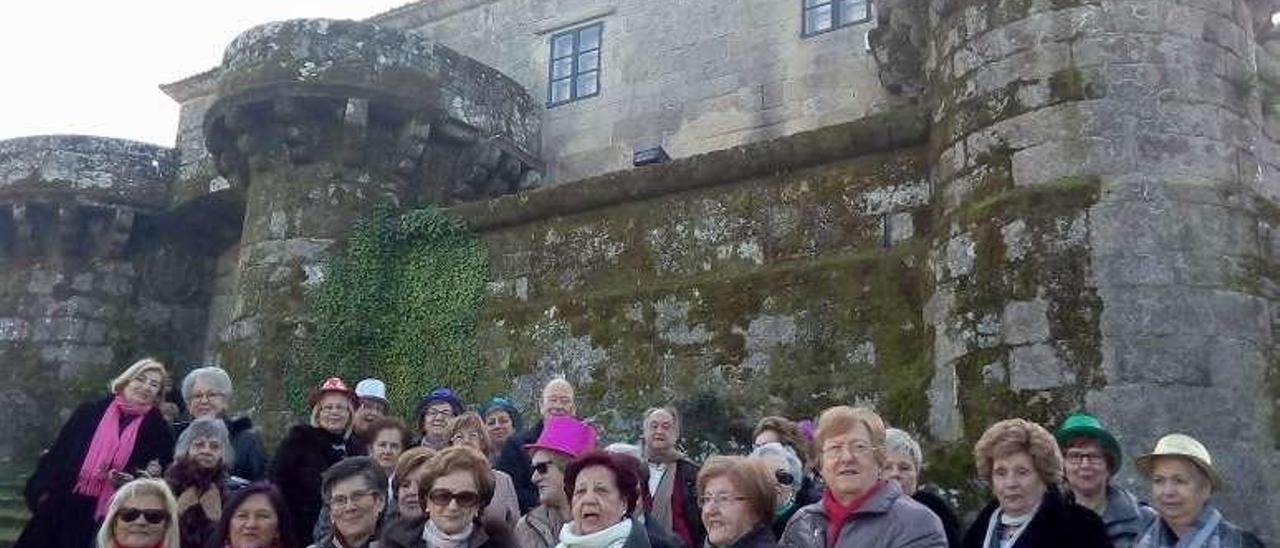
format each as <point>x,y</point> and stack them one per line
<point>1052,161</point>
<point>1176,310</point>
<point>1024,322</point>
<point>1038,367</point>
<point>961,252</point>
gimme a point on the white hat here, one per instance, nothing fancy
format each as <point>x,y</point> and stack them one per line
<point>372,388</point>
<point>1184,446</point>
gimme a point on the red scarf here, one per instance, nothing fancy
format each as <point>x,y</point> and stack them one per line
<point>837,513</point>
<point>109,451</point>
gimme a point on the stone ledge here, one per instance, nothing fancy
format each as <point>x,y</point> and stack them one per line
<point>100,168</point>
<point>873,134</point>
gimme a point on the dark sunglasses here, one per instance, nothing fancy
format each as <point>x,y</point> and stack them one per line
<point>442,497</point>
<point>543,467</point>
<point>784,477</point>
<point>130,515</point>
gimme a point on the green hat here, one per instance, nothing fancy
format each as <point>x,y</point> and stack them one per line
<point>1084,425</point>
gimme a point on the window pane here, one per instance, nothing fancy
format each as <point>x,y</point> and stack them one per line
<point>812,3</point>
<point>817,19</point>
<point>852,11</point>
<point>560,91</point>
<point>589,38</point>
<point>589,61</point>
<point>562,46</point>
<point>562,68</point>
<point>588,84</point>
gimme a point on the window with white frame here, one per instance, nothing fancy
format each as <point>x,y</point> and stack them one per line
<point>574,72</point>
<point>824,15</point>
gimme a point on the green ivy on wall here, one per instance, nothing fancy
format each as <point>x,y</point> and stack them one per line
<point>400,304</point>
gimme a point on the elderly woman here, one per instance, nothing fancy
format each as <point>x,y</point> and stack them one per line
<point>454,490</point>
<point>737,496</point>
<point>355,491</point>
<point>468,430</point>
<point>104,443</point>
<point>603,490</point>
<point>787,469</point>
<point>207,392</point>
<point>387,437</point>
<point>1091,456</point>
<point>1021,462</point>
<point>501,419</point>
<point>1182,478</point>
<point>309,449</point>
<point>199,477</point>
<point>255,517</point>
<point>410,467</point>
<point>435,410</point>
<point>140,515</point>
<point>903,463</point>
<point>858,509</point>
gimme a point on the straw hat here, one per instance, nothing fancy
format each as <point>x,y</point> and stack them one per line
<point>1184,446</point>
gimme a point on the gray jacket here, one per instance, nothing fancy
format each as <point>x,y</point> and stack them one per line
<point>540,528</point>
<point>1125,518</point>
<point>888,519</point>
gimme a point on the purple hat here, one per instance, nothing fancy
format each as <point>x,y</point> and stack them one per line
<point>806,429</point>
<point>565,435</point>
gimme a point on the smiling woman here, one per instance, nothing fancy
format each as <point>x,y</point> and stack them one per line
<point>140,515</point>
<point>103,443</point>
<point>453,491</point>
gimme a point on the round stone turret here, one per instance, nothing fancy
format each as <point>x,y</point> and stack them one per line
<point>317,121</point>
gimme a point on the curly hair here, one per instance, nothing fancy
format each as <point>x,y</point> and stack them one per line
<point>1013,436</point>
<point>453,459</point>
<point>789,434</point>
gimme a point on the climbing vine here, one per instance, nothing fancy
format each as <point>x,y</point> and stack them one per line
<point>400,304</point>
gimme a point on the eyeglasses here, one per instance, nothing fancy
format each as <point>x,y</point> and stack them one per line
<point>438,413</point>
<point>206,396</point>
<point>718,500</point>
<point>543,468</point>
<point>442,497</point>
<point>339,501</point>
<point>153,516</point>
<point>1081,457</point>
<point>854,448</point>
<point>784,477</point>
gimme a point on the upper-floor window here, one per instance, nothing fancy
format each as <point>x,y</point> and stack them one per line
<point>824,15</point>
<point>575,64</point>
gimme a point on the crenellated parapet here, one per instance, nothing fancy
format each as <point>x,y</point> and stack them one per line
<point>389,104</point>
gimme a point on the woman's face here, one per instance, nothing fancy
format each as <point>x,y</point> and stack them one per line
<point>597,502</point>
<point>387,446</point>
<point>899,466</point>
<point>468,438</point>
<point>335,412</point>
<point>354,506</point>
<point>1016,483</point>
<point>849,463</point>
<point>206,452</point>
<point>205,399</point>
<point>725,512</point>
<point>254,523</point>
<point>144,389</point>
<point>140,522</point>
<point>407,500</point>
<point>453,501</point>
<point>435,419</point>
<point>498,423</point>
<point>1179,490</point>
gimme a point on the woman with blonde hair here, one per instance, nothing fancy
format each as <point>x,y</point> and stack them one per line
<point>142,514</point>
<point>410,467</point>
<point>1021,462</point>
<point>468,429</point>
<point>106,442</point>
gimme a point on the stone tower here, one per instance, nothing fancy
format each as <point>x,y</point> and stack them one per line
<point>1106,181</point>
<point>318,121</point>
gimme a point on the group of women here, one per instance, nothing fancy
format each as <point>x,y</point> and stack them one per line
<point>353,478</point>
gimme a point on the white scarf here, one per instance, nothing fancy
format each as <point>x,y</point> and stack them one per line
<point>1017,524</point>
<point>439,539</point>
<point>612,537</point>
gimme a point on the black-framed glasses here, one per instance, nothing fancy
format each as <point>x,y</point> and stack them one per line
<point>152,515</point>
<point>784,478</point>
<point>339,501</point>
<point>442,497</point>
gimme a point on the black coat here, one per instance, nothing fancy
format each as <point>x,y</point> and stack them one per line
<point>515,462</point>
<point>63,518</point>
<point>760,537</point>
<point>1055,525</point>
<point>407,533</point>
<point>940,508</point>
<point>304,454</point>
<point>250,457</point>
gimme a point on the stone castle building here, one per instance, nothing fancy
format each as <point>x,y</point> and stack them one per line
<point>952,210</point>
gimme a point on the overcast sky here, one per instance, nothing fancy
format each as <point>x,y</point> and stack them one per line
<point>93,67</point>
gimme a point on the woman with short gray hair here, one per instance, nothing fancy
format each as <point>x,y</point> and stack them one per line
<point>207,393</point>
<point>198,477</point>
<point>354,491</point>
<point>904,462</point>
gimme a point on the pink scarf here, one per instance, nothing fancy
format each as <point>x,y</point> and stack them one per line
<point>109,451</point>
